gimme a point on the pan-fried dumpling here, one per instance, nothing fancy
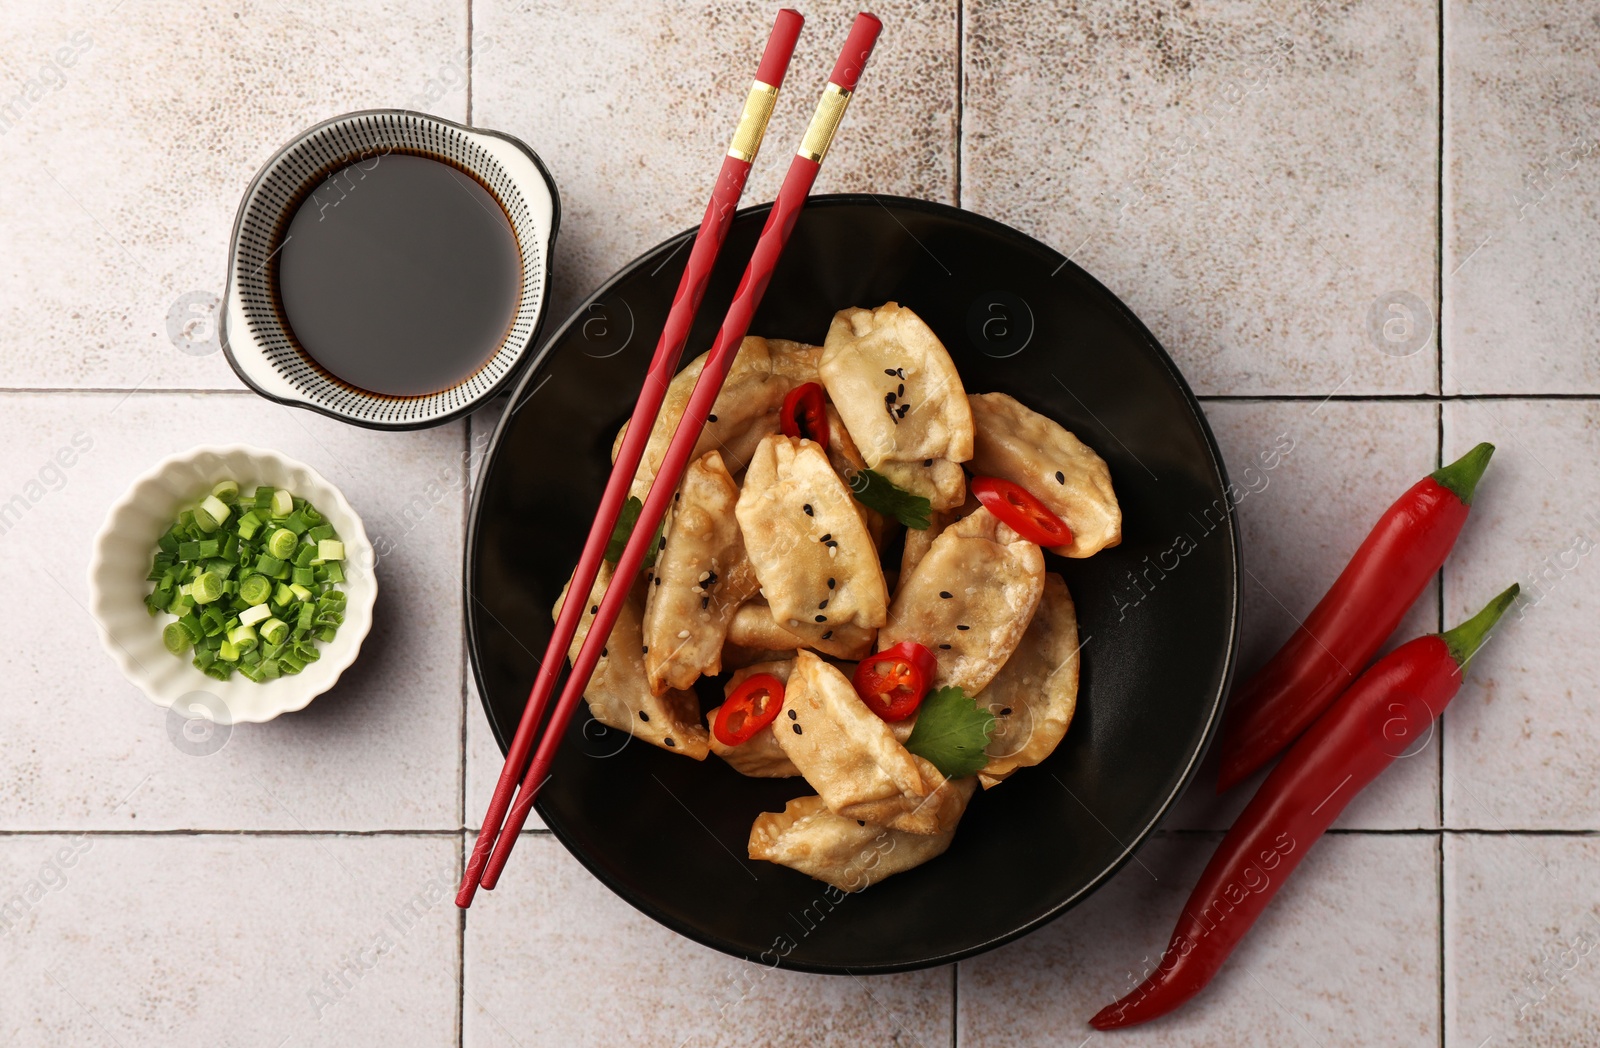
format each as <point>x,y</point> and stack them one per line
<point>942,482</point>
<point>619,693</point>
<point>1020,445</point>
<point>701,577</point>
<point>968,600</point>
<point>850,756</point>
<point>1034,694</point>
<point>763,372</point>
<point>896,387</point>
<point>919,542</point>
<point>759,756</point>
<point>847,462</point>
<point>818,566</point>
<point>846,853</point>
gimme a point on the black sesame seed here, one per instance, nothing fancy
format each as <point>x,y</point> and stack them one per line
<point>809,511</point>
<point>711,580</point>
<point>643,715</point>
<point>711,418</point>
<point>797,730</point>
<point>826,537</point>
<point>705,602</point>
<point>901,390</point>
<point>889,398</point>
<point>604,652</point>
<point>657,580</point>
<point>927,462</point>
<point>963,627</point>
<point>944,647</point>
<point>793,715</point>
<point>1006,712</point>
<point>944,594</point>
<point>661,543</point>
<point>1061,478</point>
<point>889,372</point>
<point>822,618</point>
<point>646,649</point>
<point>900,371</point>
<point>828,634</point>
<point>669,742</point>
<point>902,409</point>
<point>824,604</point>
<point>860,822</point>
<point>831,542</point>
<point>594,608</point>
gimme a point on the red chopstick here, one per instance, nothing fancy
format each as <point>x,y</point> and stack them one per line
<point>774,236</point>
<point>669,348</point>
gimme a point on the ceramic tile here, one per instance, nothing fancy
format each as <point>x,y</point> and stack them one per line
<point>1522,215</point>
<point>123,177</point>
<point>382,750</point>
<point>554,933</point>
<point>1521,927</point>
<point>1307,973</point>
<point>634,139</point>
<point>227,941</point>
<point>1300,521</point>
<point>1256,181</point>
<point>1520,736</point>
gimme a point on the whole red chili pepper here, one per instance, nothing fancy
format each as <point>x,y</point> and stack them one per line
<point>1351,622</point>
<point>1348,746</point>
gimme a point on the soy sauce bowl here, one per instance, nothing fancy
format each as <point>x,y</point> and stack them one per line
<point>256,337</point>
<point>121,559</point>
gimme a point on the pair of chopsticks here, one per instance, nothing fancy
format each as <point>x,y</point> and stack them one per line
<point>522,778</point>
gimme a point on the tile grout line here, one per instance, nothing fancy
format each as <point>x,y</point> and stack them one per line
<point>469,63</point>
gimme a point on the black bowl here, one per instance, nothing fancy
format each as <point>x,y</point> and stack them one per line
<point>1158,614</point>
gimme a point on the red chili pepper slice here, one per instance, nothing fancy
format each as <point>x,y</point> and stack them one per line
<point>805,415</point>
<point>893,682</point>
<point>1348,626</point>
<point>1349,745</point>
<point>753,705</point>
<point>1023,513</point>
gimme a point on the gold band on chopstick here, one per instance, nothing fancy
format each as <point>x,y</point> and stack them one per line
<point>753,122</point>
<point>819,136</point>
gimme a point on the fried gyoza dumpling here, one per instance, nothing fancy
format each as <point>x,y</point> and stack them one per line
<point>968,600</point>
<point>818,566</point>
<point>701,577</point>
<point>896,387</point>
<point>619,694</point>
<point>919,542</point>
<point>846,853</point>
<point>1034,694</point>
<point>1022,446</point>
<point>851,758</point>
<point>942,482</point>
<point>763,372</point>
<point>759,756</point>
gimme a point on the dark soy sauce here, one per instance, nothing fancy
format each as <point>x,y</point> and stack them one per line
<point>400,275</point>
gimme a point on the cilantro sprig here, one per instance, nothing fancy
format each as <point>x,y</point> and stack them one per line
<point>875,491</point>
<point>624,528</point>
<point>952,732</point>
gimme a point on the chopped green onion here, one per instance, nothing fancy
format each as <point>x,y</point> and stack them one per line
<point>301,593</point>
<point>320,532</point>
<point>249,524</point>
<point>281,543</point>
<point>268,565</point>
<point>254,614</point>
<point>207,588</point>
<point>282,503</point>
<point>229,652</point>
<point>226,491</point>
<point>255,590</point>
<point>243,638</point>
<point>274,630</point>
<point>304,578</point>
<point>330,549</point>
<point>283,596</point>
<point>304,556</point>
<point>334,573</point>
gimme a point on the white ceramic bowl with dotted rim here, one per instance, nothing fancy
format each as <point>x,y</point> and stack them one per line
<point>121,559</point>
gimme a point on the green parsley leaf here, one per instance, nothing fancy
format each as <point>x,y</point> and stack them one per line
<point>875,491</point>
<point>951,732</point>
<point>624,528</point>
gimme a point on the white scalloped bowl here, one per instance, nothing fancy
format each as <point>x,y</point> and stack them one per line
<point>121,559</point>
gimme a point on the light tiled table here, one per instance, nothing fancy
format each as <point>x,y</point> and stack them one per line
<point>1261,181</point>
